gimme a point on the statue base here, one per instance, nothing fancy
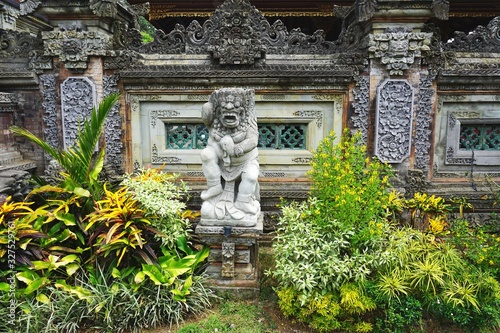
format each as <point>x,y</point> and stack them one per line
<point>233,260</point>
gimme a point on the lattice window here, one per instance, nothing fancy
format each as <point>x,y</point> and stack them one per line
<point>186,136</point>
<point>282,136</point>
<point>271,136</point>
<point>480,136</point>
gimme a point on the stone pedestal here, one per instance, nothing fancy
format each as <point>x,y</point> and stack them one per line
<point>233,260</point>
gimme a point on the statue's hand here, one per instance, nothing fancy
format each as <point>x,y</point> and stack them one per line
<point>227,145</point>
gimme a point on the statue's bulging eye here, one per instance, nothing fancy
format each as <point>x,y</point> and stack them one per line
<point>237,104</point>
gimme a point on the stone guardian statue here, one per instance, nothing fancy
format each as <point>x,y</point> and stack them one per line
<point>230,160</point>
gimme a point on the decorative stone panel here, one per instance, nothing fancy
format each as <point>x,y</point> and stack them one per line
<point>394,121</point>
<point>398,48</point>
<point>113,127</point>
<point>78,97</point>
<point>74,46</point>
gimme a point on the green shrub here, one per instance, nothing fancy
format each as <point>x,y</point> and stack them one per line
<point>162,197</point>
<point>341,261</point>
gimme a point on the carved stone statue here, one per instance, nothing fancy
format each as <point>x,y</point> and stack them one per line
<point>230,160</point>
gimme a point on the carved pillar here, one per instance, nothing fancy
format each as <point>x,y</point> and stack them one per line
<point>399,94</point>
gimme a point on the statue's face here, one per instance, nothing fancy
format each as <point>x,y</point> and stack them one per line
<point>232,111</point>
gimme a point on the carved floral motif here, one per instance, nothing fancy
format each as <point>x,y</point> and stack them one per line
<point>77,101</point>
<point>394,121</point>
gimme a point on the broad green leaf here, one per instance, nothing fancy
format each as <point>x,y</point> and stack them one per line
<point>42,298</point>
<point>4,286</point>
<point>35,285</point>
<point>72,268</point>
<point>154,273</point>
<point>115,272</point>
<point>27,276</point>
<point>139,277</point>
<point>99,163</point>
<point>70,258</point>
<point>67,218</point>
<point>81,192</point>
<point>80,292</point>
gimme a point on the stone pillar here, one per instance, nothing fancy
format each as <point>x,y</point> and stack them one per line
<point>394,98</point>
<point>233,260</point>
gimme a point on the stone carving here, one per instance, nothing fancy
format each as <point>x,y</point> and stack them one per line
<point>361,104</point>
<point>324,74</point>
<point>237,33</point>
<point>416,181</point>
<point>49,104</point>
<point>28,6</point>
<point>397,48</point>
<point>18,44</point>
<point>318,115</point>
<point>227,269</point>
<point>480,40</point>
<point>230,160</point>
<point>74,47</point>
<point>423,124</point>
<point>156,159</point>
<point>77,100</point>
<point>113,127</point>
<point>394,121</point>
<point>441,8</point>
<point>365,9</point>
<point>104,8</point>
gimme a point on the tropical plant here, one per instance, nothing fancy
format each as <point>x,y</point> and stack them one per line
<point>81,167</point>
<point>117,227</point>
<point>162,196</point>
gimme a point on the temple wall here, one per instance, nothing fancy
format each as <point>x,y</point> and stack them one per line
<point>389,75</point>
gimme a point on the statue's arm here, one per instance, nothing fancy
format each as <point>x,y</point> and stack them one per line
<point>249,143</point>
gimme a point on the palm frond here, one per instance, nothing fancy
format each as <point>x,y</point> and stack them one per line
<point>80,166</point>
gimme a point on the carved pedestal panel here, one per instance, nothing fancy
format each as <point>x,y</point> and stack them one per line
<point>233,259</point>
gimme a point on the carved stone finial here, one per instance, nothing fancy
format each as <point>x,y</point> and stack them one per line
<point>366,9</point>
<point>441,8</point>
<point>104,8</point>
<point>238,42</point>
<point>230,160</point>
<point>28,6</point>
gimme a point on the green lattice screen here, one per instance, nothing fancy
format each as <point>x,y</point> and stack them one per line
<point>271,136</point>
<point>480,136</point>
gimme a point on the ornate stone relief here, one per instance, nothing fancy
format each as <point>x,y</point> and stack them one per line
<point>113,127</point>
<point>360,105</point>
<point>323,74</point>
<point>28,6</point>
<point>78,97</point>
<point>365,9</point>
<point>423,125</point>
<point>74,46</point>
<point>482,39</point>
<point>156,159</point>
<point>19,45</point>
<point>415,181</point>
<point>49,104</point>
<point>441,8</point>
<point>397,48</point>
<point>237,33</point>
<point>394,121</point>
<point>104,8</point>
